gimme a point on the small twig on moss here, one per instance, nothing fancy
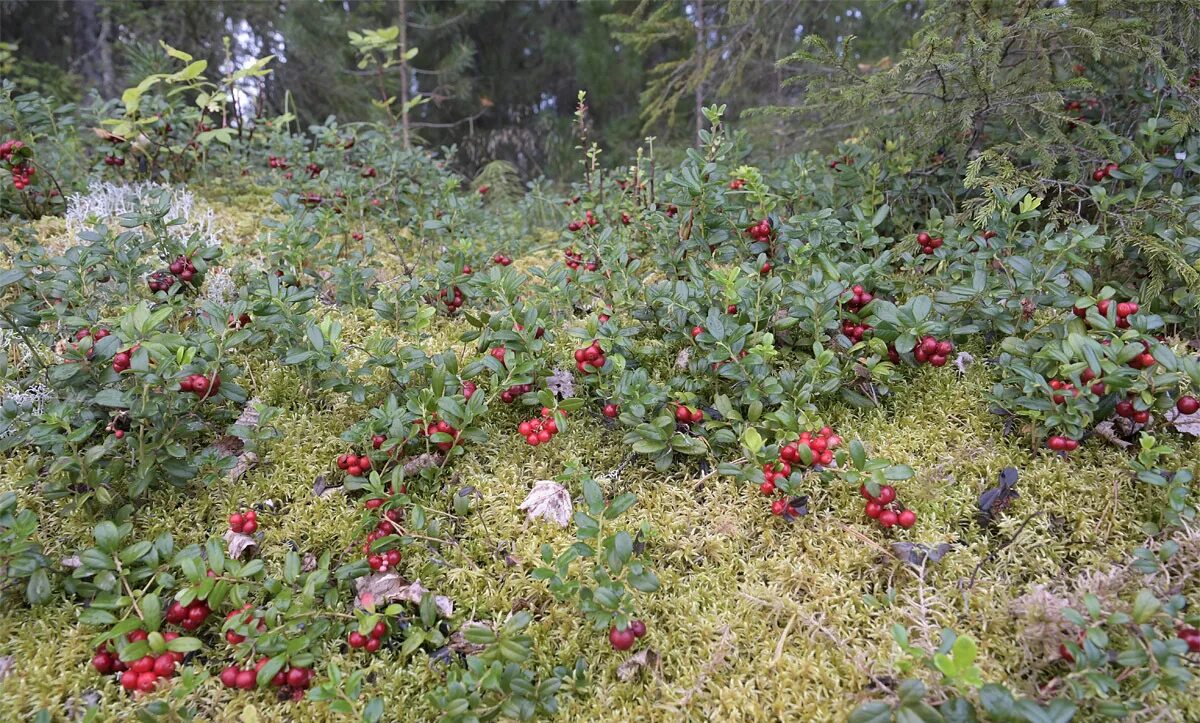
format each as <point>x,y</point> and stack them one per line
<point>992,555</point>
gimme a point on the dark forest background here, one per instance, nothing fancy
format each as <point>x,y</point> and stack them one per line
<point>501,77</point>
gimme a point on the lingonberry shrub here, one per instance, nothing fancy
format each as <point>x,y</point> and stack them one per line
<point>597,570</point>
<point>25,566</point>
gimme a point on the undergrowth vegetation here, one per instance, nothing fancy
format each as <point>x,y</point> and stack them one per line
<point>306,426</point>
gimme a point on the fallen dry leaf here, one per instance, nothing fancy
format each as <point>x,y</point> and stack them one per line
<point>645,658</point>
<point>548,499</point>
<point>1186,423</point>
<point>384,587</point>
<point>245,462</point>
<point>249,415</point>
<point>239,544</point>
<point>228,446</point>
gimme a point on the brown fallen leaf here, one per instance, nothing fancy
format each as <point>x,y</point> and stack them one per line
<point>1186,423</point>
<point>249,415</point>
<point>645,658</point>
<point>228,446</point>
<point>550,500</point>
<point>245,462</point>
<point>239,544</point>
<point>384,587</point>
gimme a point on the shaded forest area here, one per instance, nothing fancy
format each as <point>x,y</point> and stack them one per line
<point>500,78</point>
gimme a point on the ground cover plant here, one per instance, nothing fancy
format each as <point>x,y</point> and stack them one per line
<point>306,425</point>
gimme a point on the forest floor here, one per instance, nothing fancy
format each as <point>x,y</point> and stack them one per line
<point>756,618</point>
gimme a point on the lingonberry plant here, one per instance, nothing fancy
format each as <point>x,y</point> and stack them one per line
<point>598,567</point>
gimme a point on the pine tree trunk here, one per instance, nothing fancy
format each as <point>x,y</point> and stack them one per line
<point>404,70</point>
<point>701,45</point>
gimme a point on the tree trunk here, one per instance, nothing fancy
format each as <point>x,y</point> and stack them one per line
<point>84,55</point>
<point>404,70</point>
<point>701,47</point>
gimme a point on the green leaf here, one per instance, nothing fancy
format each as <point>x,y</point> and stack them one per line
<point>1145,606</point>
<point>645,581</point>
<point>291,567</point>
<point>618,506</point>
<point>858,454</point>
<point>107,536</point>
<point>268,671</point>
<point>874,712</point>
<point>184,645</point>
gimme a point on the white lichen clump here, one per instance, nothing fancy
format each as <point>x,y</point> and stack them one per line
<point>107,202</point>
<point>219,287</point>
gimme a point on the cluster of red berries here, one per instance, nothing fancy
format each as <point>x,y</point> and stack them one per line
<point>244,523</point>
<point>384,561</point>
<point>590,358</point>
<point>183,268</point>
<point>190,616</point>
<point>575,260</point>
<point>95,334</point>
<point>1126,409</point>
<point>114,161</point>
<point>161,281</point>
<point>233,637</point>
<point>501,259</point>
<point>313,170</point>
<point>859,298</point>
<point>369,642</point>
<point>513,393</point>
<point>589,219</point>
<point>296,679</point>
<point>352,465</point>
<point>624,639</point>
<point>452,297</point>
<point>443,427</point>
<point>311,200</point>
<point>1145,360</point>
<point>928,243</point>
<point>498,354</point>
<point>737,184</point>
<point>626,219</point>
<point>274,162</point>
<point>688,415</point>
<point>933,351</point>
<point>1191,636</point>
<point>878,510</point>
<point>240,321</point>
<point>854,332</point>
<point>821,443</point>
<point>122,360</point>
<point>143,674</point>
<point>357,236</point>
<point>1058,443</point>
<point>1124,309</point>
<point>539,430</point>
<point>1103,172</point>
<point>760,231</point>
<point>611,410</point>
<point>200,385</point>
<point>106,661</point>
<point>22,172</point>
<point>1060,386</point>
